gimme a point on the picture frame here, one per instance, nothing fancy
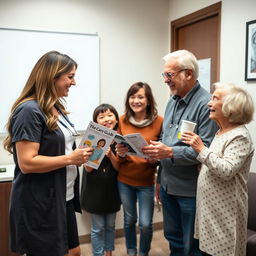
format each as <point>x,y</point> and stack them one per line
<point>250,52</point>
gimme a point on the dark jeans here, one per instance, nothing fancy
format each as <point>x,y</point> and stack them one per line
<point>179,217</point>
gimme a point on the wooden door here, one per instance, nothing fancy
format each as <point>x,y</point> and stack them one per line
<point>199,33</point>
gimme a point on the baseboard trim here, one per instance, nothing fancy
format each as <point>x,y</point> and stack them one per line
<point>119,233</point>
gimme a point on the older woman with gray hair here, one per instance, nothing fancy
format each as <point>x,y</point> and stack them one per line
<point>221,215</point>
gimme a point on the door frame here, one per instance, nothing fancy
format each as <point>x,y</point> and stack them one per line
<point>202,14</point>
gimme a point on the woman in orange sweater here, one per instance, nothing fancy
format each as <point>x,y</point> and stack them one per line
<point>137,175</point>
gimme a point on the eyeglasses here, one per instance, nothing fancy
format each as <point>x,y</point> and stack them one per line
<point>170,75</point>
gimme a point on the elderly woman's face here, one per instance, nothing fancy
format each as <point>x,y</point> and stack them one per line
<point>215,105</point>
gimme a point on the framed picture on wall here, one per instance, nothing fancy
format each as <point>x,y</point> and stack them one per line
<point>250,53</point>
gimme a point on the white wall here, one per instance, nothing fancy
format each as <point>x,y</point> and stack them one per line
<point>134,35</point>
<point>235,14</point>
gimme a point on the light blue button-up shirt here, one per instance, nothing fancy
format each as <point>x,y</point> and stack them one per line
<point>179,174</point>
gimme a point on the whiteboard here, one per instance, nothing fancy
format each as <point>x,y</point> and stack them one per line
<point>21,49</point>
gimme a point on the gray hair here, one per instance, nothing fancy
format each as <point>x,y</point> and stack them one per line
<point>237,105</point>
<point>185,59</point>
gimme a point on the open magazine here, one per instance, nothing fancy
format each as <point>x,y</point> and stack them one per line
<point>134,142</point>
<point>99,138</point>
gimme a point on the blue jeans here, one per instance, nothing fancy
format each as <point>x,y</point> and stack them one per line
<point>102,233</point>
<point>145,197</point>
<point>179,218</point>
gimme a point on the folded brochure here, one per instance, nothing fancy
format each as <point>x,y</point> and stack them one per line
<point>99,138</point>
<point>134,142</point>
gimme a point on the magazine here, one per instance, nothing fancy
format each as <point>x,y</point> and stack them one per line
<point>99,138</point>
<point>134,142</point>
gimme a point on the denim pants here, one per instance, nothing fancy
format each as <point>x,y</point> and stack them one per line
<point>179,218</point>
<point>102,233</point>
<point>144,195</point>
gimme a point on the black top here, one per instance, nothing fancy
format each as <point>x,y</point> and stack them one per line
<point>38,200</point>
<point>99,194</point>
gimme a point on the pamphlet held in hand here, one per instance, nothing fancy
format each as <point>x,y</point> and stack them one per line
<point>134,142</point>
<point>99,138</point>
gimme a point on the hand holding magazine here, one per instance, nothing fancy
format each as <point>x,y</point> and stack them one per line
<point>99,138</point>
<point>134,142</point>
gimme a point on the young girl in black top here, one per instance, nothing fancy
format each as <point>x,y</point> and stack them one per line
<point>99,189</point>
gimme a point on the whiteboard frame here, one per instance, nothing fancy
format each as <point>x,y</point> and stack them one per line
<point>76,118</point>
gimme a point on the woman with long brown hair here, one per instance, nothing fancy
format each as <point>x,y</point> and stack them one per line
<point>45,189</point>
<point>136,176</point>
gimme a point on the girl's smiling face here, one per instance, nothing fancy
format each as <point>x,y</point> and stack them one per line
<point>107,119</point>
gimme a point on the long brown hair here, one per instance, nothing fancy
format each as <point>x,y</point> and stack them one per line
<point>40,87</point>
<point>151,110</point>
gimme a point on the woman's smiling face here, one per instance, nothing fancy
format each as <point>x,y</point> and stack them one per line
<point>138,102</point>
<point>215,105</point>
<point>64,82</point>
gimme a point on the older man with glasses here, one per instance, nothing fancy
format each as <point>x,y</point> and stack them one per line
<point>179,166</point>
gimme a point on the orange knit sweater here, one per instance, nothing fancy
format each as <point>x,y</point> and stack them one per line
<point>136,171</point>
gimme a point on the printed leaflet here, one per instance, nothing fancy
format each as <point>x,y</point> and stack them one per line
<point>99,138</point>
<point>134,142</point>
